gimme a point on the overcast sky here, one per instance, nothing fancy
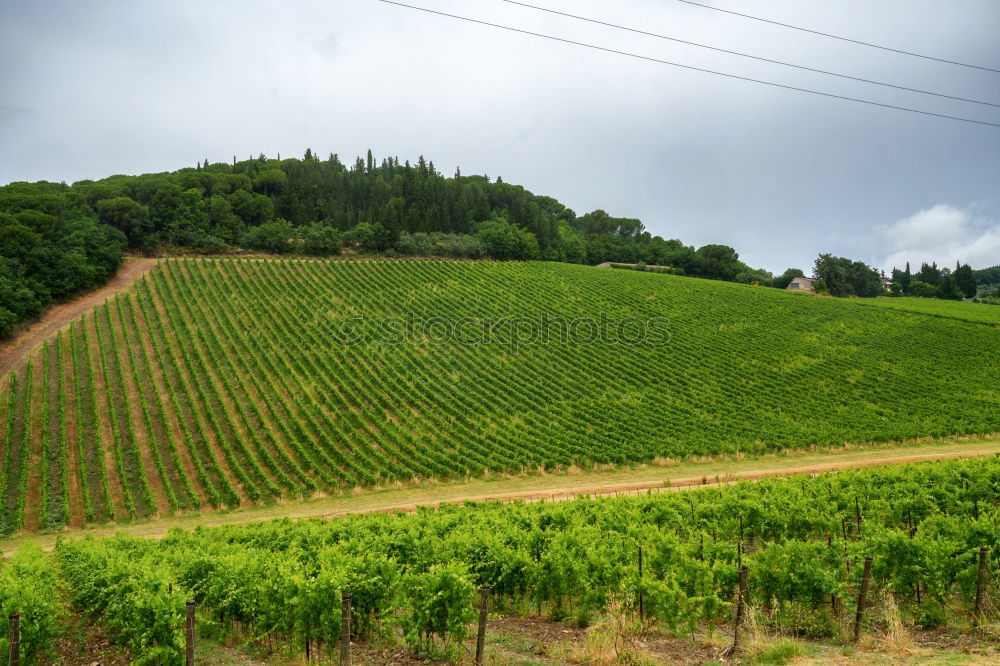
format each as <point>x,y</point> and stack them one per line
<point>94,89</point>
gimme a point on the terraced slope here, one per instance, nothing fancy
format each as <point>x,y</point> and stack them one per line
<point>226,382</point>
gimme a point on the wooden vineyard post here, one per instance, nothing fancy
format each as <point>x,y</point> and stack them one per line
<point>189,633</point>
<point>862,593</point>
<point>484,610</point>
<point>345,630</point>
<point>980,586</point>
<point>14,626</point>
<point>833,597</point>
<point>642,609</point>
<point>741,594</point>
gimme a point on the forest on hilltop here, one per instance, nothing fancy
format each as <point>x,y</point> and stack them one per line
<point>58,239</point>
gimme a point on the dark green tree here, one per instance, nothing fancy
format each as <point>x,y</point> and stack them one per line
<point>965,279</point>
<point>128,216</point>
<point>783,280</point>
<point>718,262</point>
<point>929,273</point>
<point>948,288</point>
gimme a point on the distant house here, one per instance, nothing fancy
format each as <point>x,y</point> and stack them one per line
<point>801,284</point>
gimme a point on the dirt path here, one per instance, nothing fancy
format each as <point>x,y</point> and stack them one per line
<point>14,353</point>
<point>551,487</point>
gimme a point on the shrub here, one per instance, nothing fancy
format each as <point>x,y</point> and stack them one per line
<point>27,585</point>
<point>929,615</point>
<point>502,240</point>
<point>781,652</point>
<point>923,290</point>
<point>440,244</point>
<point>439,607</point>
<point>320,240</point>
<point>270,237</point>
<point>371,237</point>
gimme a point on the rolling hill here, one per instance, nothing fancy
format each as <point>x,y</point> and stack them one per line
<point>224,382</point>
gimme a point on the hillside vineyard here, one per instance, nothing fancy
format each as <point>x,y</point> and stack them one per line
<point>225,382</point>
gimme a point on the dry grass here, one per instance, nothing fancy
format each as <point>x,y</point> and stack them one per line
<point>896,639</point>
<point>755,635</point>
<point>611,642</point>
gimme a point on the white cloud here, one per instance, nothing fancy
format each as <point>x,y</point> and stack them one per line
<point>941,233</point>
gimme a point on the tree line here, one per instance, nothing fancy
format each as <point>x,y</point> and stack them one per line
<point>58,239</point>
<point>52,245</point>
<point>844,277</point>
<point>932,281</point>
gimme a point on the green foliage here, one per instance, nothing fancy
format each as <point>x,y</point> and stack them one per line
<point>948,289</point>
<point>781,651</point>
<point>922,521</point>
<point>783,280</point>
<point>28,586</point>
<point>929,274</point>
<point>51,249</point>
<point>57,239</point>
<point>300,390</point>
<point>792,571</point>
<point>844,277</point>
<point>128,216</point>
<point>806,620</point>
<point>438,606</point>
<point>273,237</point>
<point>502,240</point>
<point>930,615</point>
<point>981,313</point>
<point>664,270</point>
<point>988,276</point>
<point>321,240</point>
<point>129,593</point>
<point>440,244</point>
<point>7,321</point>
<point>965,280</point>
<point>718,262</point>
<point>921,289</point>
<point>371,237</point>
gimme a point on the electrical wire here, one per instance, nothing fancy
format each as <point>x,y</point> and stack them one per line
<point>690,67</point>
<point>844,39</point>
<point>747,55</point>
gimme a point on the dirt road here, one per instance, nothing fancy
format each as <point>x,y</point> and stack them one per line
<point>14,353</point>
<point>553,487</point>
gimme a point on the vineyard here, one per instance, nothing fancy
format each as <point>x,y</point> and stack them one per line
<point>228,382</point>
<point>672,561</point>
<point>981,313</point>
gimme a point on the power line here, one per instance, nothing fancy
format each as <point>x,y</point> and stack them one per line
<point>844,39</point>
<point>747,55</point>
<point>691,67</point>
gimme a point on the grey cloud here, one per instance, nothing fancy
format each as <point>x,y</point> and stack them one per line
<point>779,175</point>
